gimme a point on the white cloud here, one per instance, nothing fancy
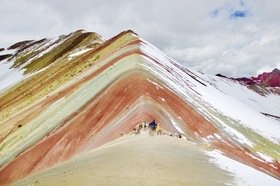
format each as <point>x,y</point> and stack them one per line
<point>197,33</point>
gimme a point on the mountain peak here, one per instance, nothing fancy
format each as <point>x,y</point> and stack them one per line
<point>77,92</point>
<point>268,79</point>
<point>276,71</point>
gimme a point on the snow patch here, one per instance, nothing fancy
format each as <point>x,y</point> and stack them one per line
<point>254,157</point>
<point>9,77</point>
<point>241,138</point>
<point>176,126</point>
<point>243,174</point>
<point>71,56</point>
<point>162,99</point>
<point>265,157</point>
<point>157,85</point>
<point>210,137</point>
<point>217,136</point>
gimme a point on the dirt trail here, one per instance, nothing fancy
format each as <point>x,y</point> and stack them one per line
<point>136,160</point>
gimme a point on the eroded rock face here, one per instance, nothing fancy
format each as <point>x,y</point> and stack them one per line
<point>71,105</point>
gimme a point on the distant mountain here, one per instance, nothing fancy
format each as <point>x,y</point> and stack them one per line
<point>64,97</point>
<point>265,83</point>
<point>269,79</point>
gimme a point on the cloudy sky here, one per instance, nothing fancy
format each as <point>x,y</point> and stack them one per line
<point>233,37</point>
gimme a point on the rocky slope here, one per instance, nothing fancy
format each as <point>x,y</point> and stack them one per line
<point>64,97</point>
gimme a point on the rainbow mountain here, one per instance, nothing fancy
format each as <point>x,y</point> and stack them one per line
<point>64,97</point>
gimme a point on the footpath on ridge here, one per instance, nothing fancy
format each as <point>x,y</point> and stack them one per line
<point>138,159</point>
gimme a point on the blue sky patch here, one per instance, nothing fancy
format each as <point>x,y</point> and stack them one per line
<point>232,11</point>
<point>238,14</point>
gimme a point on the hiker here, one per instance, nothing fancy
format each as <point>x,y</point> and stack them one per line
<point>140,126</point>
<point>137,128</point>
<point>158,130</point>
<point>120,135</point>
<point>134,131</point>
<point>152,127</point>
<point>144,125</point>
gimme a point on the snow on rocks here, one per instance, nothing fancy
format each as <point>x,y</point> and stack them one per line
<point>73,55</point>
<point>243,174</point>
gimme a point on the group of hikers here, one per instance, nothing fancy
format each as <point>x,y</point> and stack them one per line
<point>154,128</point>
